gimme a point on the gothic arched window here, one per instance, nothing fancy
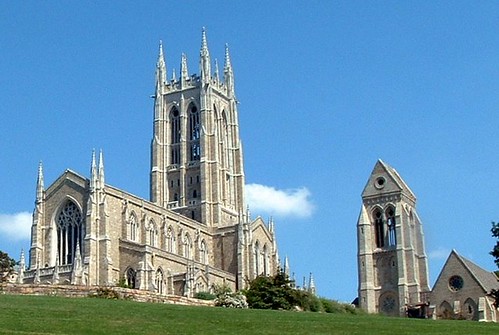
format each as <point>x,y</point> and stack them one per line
<point>160,286</point>
<point>170,240</point>
<point>69,232</point>
<point>256,258</point>
<point>379,231</point>
<point>153,234</point>
<point>187,246</point>
<point>133,228</point>
<point>203,253</point>
<point>131,278</point>
<point>194,134</point>
<point>266,256</point>
<point>175,136</point>
<point>390,221</point>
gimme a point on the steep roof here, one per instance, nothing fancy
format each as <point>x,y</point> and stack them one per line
<point>487,280</point>
<point>394,182</point>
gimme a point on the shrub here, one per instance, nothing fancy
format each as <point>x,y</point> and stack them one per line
<point>273,292</point>
<point>333,306</point>
<point>225,297</point>
<point>123,283</point>
<point>205,296</point>
<point>307,301</point>
<point>105,293</point>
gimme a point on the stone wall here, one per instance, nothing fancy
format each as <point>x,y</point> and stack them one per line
<point>74,291</point>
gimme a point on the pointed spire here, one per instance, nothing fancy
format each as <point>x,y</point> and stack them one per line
<point>100,171</point>
<point>228,74</point>
<point>286,266</point>
<point>22,266</point>
<point>174,76</point>
<point>227,65</point>
<point>271,224</point>
<point>93,172</point>
<point>161,74</point>
<point>205,63</point>
<point>40,188</point>
<point>311,284</point>
<point>217,73</point>
<point>248,214</point>
<point>184,73</point>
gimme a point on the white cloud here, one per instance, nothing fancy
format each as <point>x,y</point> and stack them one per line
<point>267,199</point>
<point>16,227</point>
<point>439,253</point>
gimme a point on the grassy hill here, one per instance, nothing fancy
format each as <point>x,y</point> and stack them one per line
<point>57,315</point>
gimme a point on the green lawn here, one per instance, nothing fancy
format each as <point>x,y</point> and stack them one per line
<point>56,315</point>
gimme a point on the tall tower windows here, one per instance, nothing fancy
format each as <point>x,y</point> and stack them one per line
<point>194,134</point>
<point>379,230</point>
<point>175,136</point>
<point>390,222</point>
<point>69,231</point>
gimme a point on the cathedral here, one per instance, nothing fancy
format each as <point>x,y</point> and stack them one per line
<point>194,232</point>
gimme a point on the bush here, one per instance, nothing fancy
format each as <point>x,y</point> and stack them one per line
<point>225,297</point>
<point>123,283</point>
<point>105,293</point>
<point>333,306</point>
<point>273,292</point>
<point>307,301</point>
<point>205,296</point>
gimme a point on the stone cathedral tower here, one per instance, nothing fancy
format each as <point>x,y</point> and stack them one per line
<point>393,270</point>
<point>197,165</point>
<point>193,234</point>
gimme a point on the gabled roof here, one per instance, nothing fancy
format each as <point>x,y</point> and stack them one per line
<point>487,280</point>
<point>393,181</point>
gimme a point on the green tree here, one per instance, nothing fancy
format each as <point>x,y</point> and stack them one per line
<point>495,233</point>
<point>6,266</point>
<point>495,253</point>
<point>271,292</point>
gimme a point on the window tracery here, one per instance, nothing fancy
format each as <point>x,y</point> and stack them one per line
<point>69,232</point>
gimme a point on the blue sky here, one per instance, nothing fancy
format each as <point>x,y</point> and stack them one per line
<point>325,89</point>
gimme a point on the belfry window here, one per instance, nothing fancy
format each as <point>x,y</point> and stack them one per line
<point>194,134</point>
<point>379,230</point>
<point>69,232</point>
<point>175,136</point>
<point>390,222</point>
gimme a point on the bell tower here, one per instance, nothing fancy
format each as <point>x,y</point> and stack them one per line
<point>196,152</point>
<point>392,263</point>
